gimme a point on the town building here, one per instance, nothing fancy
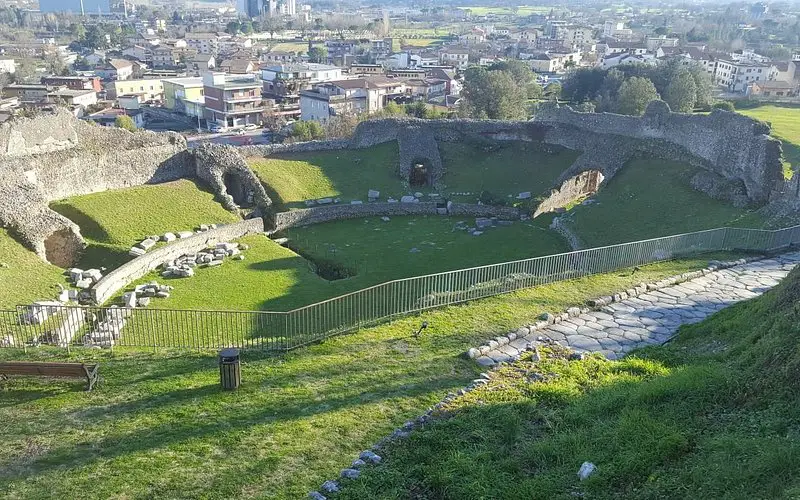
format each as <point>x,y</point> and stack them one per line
<point>146,90</point>
<point>737,76</point>
<point>458,58</point>
<point>185,96</point>
<point>114,69</point>
<point>356,96</point>
<point>71,97</point>
<point>232,100</point>
<point>74,82</point>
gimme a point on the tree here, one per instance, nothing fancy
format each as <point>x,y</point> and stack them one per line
<point>95,37</point>
<point>233,27</point>
<point>307,130</point>
<point>126,122</point>
<point>417,109</point>
<point>392,109</point>
<point>635,94</point>
<point>492,94</point>
<point>681,93</point>
<point>78,31</point>
<point>553,91</point>
<point>272,25</point>
<point>246,27</point>
<point>583,84</point>
<point>724,105</point>
<point>318,55</point>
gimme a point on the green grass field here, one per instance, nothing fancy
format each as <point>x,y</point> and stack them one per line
<point>158,426</point>
<point>275,278</point>
<point>515,167</point>
<point>24,276</point>
<point>301,47</point>
<point>785,122</point>
<point>291,179</point>
<point>649,199</point>
<point>113,221</point>
<point>713,414</point>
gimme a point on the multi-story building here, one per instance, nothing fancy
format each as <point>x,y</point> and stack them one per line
<point>74,82</point>
<point>457,58</point>
<point>203,43</point>
<point>232,100</point>
<point>29,93</point>
<point>283,83</point>
<point>115,69</point>
<point>185,96</point>
<point>71,97</point>
<point>737,76</point>
<point>148,90</point>
<point>356,96</point>
<point>654,43</point>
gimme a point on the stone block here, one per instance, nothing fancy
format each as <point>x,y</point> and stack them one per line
<point>136,252</point>
<point>185,234</point>
<point>146,244</point>
<point>325,201</point>
<point>356,202</point>
<point>525,195</point>
<point>483,222</point>
<point>129,299</point>
<point>373,193</point>
<point>169,237</point>
<point>407,199</point>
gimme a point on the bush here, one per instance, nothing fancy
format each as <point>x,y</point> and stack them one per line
<point>125,122</point>
<point>725,105</point>
<point>307,130</point>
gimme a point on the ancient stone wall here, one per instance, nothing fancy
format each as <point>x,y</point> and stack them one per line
<point>318,215</point>
<point>732,146</point>
<point>216,163</point>
<point>56,156</point>
<point>119,278</point>
<point>582,185</point>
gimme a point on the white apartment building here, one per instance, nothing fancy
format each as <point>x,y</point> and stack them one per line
<point>737,76</point>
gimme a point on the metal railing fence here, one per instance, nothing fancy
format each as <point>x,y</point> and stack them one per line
<point>279,331</point>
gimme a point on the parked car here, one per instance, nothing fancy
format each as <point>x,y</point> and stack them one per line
<point>216,129</point>
<point>241,131</point>
<point>250,126</point>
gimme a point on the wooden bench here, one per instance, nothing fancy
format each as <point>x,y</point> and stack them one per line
<point>42,369</point>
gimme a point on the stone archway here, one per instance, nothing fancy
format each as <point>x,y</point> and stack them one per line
<point>236,188</point>
<point>419,175</point>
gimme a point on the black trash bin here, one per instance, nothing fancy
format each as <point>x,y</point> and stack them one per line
<point>230,371</point>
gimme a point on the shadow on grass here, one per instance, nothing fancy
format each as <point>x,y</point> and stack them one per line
<point>223,414</point>
<point>89,227</point>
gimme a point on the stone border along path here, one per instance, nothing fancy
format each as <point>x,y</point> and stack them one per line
<point>650,317</point>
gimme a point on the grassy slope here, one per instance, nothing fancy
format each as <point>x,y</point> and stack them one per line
<point>158,426</point>
<point>712,415</point>
<point>381,251</point>
<point>516,167</point>
<point>785,122</point>
<point>113,221</point>
<point>291,179</point>
<point>27,277</point>
<point>652,198</point>
<point>275,278</point>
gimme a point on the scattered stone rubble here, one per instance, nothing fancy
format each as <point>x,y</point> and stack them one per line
<point>146,244</point>
<point>183,266</point>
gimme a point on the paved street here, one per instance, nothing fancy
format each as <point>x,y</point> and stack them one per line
<point>655,316</point>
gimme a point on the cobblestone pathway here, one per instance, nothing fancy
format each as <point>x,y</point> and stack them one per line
<point>654,317</point>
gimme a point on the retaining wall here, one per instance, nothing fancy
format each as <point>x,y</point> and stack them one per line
<point>119,278</point>
<point>318,215</point>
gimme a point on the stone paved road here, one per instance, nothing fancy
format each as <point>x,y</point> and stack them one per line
<point>654,317</point>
